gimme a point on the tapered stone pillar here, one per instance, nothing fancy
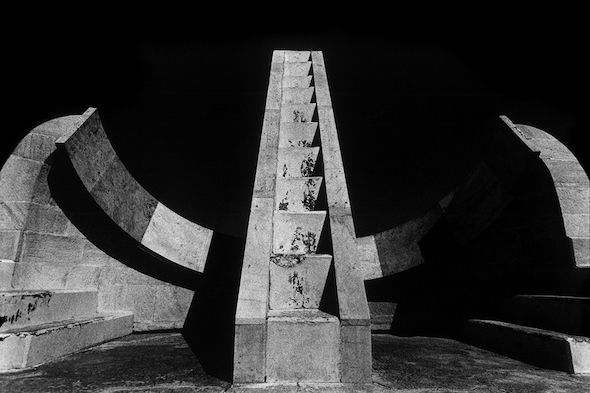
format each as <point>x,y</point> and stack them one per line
<point>282,336</point>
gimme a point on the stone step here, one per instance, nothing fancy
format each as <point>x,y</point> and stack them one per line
<point>22,308</point>
<point>298,281</point>
<point>302,346</point>
<point>565,314</point>
<point>299,68</point>
<point>297,233</point>
<point>297,95</point>
<point>539,347</point>
<point>297,161</point>
<point>297,194</point>
<point>297,55</point>
<point>297,113</point>
<point>38,344</point>
<point>297,134</point>
<point>381,315</point>
<point>297,81</point>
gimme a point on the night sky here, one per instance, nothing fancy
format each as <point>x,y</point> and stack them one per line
<point>414,111</point>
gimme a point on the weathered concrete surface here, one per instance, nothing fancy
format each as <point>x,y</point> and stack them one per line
<point>297,161</point>
<point>297,194</point>
<point>303,346</point>
<point>162,362</point>
<point>26,308</point>
<point>539,347</point>
<point>41,248</point>
<point>571,184</point>
<point>297,134</point>
<point>127,203</point>
<point>27,347</point>
<point>297,233</point>
<point>300,285</point>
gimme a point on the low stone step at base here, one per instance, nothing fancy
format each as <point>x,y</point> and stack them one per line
<point>539,347</point>
<point>38,344</point>
<point>302,346</point>
<point>565,314</point>
<point>21,308</point>
<point>381,315</point>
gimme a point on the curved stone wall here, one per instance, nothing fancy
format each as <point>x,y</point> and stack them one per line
<point>156,227</point>
<point>40,248</point>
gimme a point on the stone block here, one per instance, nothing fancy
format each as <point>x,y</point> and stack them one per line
<point>55,128</point>
<point>567,172</point>
<point>297,194</point>
<point>38,247</point>
<point>297,134</point>
<point>574,199</point>
<point>140,300</point>
<point>28,308</point>
<point>297,233</point>
<point>112,297</point>
<point>355,349</point>
<point>13,215</point>
<point>297,95</point>
<point>47,219</point>
<point>581,246</point>
<point>368,257</point>
<point>297,113</point>
<point>33,347</point>
<point>303,346</point>
<point>18,177</point>
<point>249,353</point>
<point>172,303</point>
<point>299,68</point>
<point>253,291</point>
<point>300,285</point>
<point>10,245</point>
<point>264,182</point>
<point>577,225</point>
<point>273,94</point>
<point>296,161</point>
<point>89,149</point>
<point>177,239</point>
<point>6,272</point>
<point>297,81</point>
<point>296,56</point>
<point>35,146</point>
<point>124,199</point>
<point>55,276</point>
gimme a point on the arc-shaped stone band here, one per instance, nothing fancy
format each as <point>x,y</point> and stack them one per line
<point>156,227</point>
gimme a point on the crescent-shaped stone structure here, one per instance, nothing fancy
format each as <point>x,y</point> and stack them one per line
<point>468,209</point>
<point>157,228</point>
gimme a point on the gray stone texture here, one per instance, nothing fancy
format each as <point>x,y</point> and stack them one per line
<point>41,249</point>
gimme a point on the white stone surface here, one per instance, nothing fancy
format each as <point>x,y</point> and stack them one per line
<point>303,346</point>
<point>299,286</point>
<point>297,194</point>
<point>297,233</point>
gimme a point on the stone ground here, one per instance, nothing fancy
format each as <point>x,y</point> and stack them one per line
<point>163,363</point>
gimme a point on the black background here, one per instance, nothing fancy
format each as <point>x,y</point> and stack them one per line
<point>182,99</point>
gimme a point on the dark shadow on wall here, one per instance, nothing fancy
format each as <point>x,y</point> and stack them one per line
<point>71,196</point>
<point>210,325</point>
<point>523,251</point>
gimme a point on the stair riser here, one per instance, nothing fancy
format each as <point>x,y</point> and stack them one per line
<point>22,350</point>
<point>561,314</point>
<point>20,309</point>
<point>545,350</point>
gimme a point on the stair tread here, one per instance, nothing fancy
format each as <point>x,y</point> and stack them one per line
<point>32,329</point>
<point>529,329</point>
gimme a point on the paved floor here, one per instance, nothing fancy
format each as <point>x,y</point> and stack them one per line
<point>163,363</point>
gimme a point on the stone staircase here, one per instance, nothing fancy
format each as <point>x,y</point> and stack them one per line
<point>297,273</point>
<point>549,331</point>
<point>37,326</point>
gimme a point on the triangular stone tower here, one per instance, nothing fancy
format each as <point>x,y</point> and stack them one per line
<point>282,336</point>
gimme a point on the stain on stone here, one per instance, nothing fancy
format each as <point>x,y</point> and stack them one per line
<point>307,166</point>
<point>285,170</point>
<point>304,143</point>
<point>308,240</point>
<point>3,319</point>
<point>298,117</point>
<point>287,260</point>
<point>309,197</point>
<point>284,204</point>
